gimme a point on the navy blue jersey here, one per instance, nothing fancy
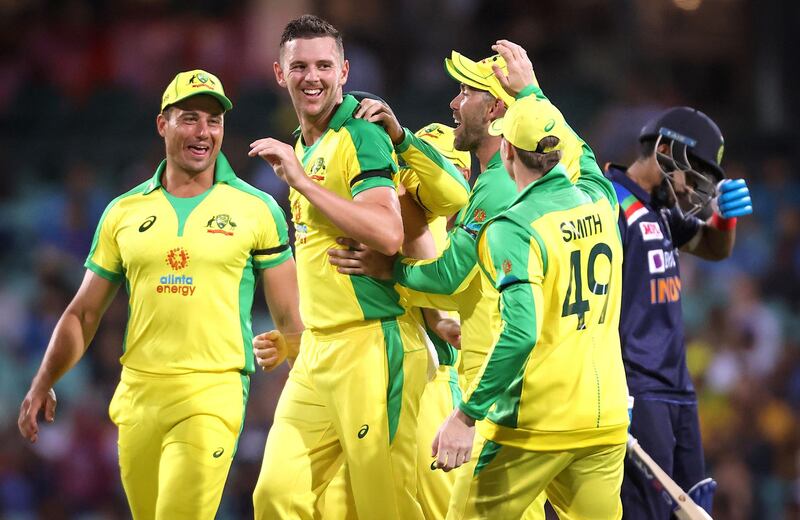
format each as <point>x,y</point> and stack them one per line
<point>651,324</point>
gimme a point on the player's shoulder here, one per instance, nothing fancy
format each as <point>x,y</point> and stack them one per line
<point>363,133</point>
<point>247,193</point>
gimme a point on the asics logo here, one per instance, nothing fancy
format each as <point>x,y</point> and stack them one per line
<point>147,224</point>
<point>217,454</point>
<point>363,431</point>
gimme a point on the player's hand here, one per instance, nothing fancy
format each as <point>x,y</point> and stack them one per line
<point>520,68</point>
<point>270,349</point>
<point>282,159</point>
<point>443,326</point>
<point>374,111</point>
<point>733,199</point>
<point>34,401</point>
<point>452,445</point>
<point>359,259</point>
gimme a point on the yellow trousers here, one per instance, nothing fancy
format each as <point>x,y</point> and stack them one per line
<point>177,437</point>
<point>509,482</point>
<point>352,396</point>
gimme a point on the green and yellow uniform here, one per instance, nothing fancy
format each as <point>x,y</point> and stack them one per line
<point>353,393</point>
<point>190,267</point>
<point>552,389</point>
<point>429,175</point>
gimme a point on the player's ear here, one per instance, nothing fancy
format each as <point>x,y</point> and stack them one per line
<point>506,150</point>
<point>279,77</point>
<point>497,109</point>
<point>345,71</point>
<point>161,124</point>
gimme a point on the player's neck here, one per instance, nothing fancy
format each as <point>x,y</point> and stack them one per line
<point>312,127</point>
<point>184,184</point>
<point>643,174</point>
<point>489,146</point>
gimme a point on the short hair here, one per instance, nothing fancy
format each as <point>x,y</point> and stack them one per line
<point>543,162</point>
<point>310,26</point>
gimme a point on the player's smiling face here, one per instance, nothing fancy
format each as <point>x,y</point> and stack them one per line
<point>470,114</point>
<point>193,130</point>
<point>314,71</point>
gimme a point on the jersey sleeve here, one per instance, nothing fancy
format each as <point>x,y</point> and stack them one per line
<point>375,164</point>
<point>506,256</point>
<point>445,274</point>
<point>104,256</point>
<point>272,241</point>
<point>682,227</point>
<point>432,179</point>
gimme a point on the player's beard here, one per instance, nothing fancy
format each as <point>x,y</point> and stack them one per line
<point>470,135</point>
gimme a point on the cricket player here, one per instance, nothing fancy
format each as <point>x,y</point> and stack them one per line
<point>661,195</point>
<point>188,244</point>
<point>430,194</point>
<point>353,392</point>
<point>552,389</point>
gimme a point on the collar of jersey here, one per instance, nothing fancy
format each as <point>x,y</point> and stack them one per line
<point>222,173</point>
<point>340,117</point>
<point>619,175</point>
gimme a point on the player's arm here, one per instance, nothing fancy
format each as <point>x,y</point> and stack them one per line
<point>503,254</point>
<point>283,299</point>
<point>715,238</point>
<point>577,156</point>
<point>442,189</point>
<point>72,335</point>
<point>372,217</point>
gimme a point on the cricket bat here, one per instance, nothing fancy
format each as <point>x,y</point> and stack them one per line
<point>682,504</point>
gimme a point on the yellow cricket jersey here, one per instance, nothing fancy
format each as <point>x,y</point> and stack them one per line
<point>189,266</point>
<point>555,379</point>
<point>351,156</point>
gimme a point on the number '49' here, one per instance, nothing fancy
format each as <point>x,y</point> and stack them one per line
<point>578,305</point>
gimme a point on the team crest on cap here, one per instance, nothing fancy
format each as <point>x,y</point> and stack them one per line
<point>221,221</point>
<point>550,124</point>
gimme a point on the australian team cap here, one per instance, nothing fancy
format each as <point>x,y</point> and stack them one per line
<point>442,138</point>
<point>191,83</point>
<point>526,123</point>
<point>478,74</point>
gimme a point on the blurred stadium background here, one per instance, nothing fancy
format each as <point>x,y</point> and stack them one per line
<point>80,83</point>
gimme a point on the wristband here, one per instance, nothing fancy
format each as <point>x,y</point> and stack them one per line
<point>723,224</point>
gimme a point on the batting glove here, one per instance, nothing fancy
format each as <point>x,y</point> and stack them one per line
<point>733,199</point>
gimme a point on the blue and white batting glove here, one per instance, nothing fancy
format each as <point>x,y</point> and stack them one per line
<point>733,199</point>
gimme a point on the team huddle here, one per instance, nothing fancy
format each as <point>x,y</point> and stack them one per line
<point>455,351</point>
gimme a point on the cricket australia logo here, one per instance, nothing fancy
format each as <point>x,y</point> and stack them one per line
<point>221,224</point>
<point>318,169</point>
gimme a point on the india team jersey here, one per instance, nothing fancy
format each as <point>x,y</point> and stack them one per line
<point>351,156</point>
<point>555,380</point>
<point>189,266</point>
<point>651,325</point>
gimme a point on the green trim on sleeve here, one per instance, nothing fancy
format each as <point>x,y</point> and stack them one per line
<point>104,273</point>
<point>442,275</point>
<point>372,182</point>
<point>527,91</point>
<point>406,142</point>
<point>373,147</point>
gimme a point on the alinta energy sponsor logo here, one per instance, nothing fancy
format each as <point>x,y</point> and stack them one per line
<point>222,224</point>
<point>178,259</point>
